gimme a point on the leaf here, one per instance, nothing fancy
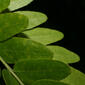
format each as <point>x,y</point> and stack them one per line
<point>16,4</point>
<point>63,54</point>
<point>21,48</point>
<point>8,78</point>
<point>4,4</point>
<point>32,70</point>
<point>75,78</point>
<point>44,35</point>
<point>11,24</point>
<point>35,18</point>
<point>48,82</point>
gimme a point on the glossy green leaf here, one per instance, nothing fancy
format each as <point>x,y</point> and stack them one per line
<point>63,54</point>
<point>21,48</point>
<point>4,4</point>
<point>44,35</point>
<point>16,4</point>
<point>35,18</point>
<point>48,82</point>
<point>11,24</point>
<point>8,78</point>
<point>32,70</point>
<point>75,78</point>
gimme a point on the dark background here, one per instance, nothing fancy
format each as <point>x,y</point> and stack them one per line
<point>68,16</point>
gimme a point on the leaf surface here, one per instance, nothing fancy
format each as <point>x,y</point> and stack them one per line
<point>4,4</point>
<point>8,78</point>
<point>44,35</point>
<point>75,78</point>
<point>16,4</point>
<point>32,70</point>
<point>35,18</point>
<point>16,49</point>
<point>11,24</point>
<point>63,54</point>
<point>48,82</point>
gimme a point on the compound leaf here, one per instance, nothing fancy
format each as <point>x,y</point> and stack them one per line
<point>44,35</point>
<point>32,70</point>
<point>48,82</point>
<point>64,55</point>
<point>11,24</point>
<point>16,4</point>
<point>4,4</point>
<point>16,49</point>
<point>75,78</point>
<point>35,18</point>
<point>8,78</point>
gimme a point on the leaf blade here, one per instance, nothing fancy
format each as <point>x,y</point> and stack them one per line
<point>35,18</point>
<point>44,35</point>
<point>21,48</point>
<point>8,78</point>
<point>63,54</point>
<point>32,70</point>
<point>4,4</point>
<point>11,24</point>
<point>48,82</point>
<point>16,4</point>
<point>75,78</point>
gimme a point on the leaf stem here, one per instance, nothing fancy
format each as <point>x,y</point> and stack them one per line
<point>11,71</point>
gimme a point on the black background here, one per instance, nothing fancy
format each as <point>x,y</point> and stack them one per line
<point>67,16</point>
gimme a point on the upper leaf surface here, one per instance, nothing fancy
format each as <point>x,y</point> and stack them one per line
<point>8,78</point>
<point>4,4</point>
<point>48,82</point>
<point>44,35</point>
<point>16,4</point>
<point>16,49</point>
<point>75,78</point>
<point>63,54</point>
<point>11,24</point>
<point>32,70</point>
<point>35,18</point>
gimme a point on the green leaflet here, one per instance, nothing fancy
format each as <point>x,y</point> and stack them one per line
<point>35,18</point>
<point>11,24</point>
<point>4,4</point>
<point>64,55</point>
<point>32,70</point>
<point>75,78</point>
<point>48,82</point>
<point>16,4</point>
<point>44,35</point>
<point>16,49</point>
<point>8,78</point>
